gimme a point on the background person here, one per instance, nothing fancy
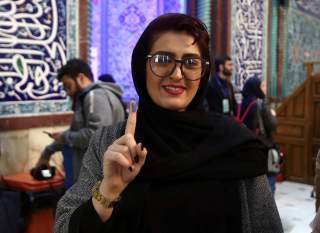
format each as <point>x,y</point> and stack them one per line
<point>106,78</point>
<point>254,90</point>
<point>94,105</point>
<point>220,94</point>
<point>109,79</point>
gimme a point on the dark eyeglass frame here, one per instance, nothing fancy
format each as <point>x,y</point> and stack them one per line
<point>182,61</point>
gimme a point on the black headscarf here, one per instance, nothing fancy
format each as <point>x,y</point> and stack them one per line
<point>251,92</point>
<point>189,181</point>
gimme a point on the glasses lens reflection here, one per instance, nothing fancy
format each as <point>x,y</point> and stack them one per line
<point>163,65</point>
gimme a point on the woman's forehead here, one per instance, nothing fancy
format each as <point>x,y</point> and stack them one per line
<point>175,43</point>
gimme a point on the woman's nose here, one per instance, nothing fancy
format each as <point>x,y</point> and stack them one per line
<point>177,73</point>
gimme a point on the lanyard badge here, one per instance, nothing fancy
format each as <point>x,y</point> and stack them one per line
<point>225,105</point>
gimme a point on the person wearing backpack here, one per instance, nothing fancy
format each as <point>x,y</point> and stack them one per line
<point>94,105</point>
<point>258,117</point>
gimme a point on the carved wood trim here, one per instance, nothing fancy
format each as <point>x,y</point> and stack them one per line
<point>18,123</point>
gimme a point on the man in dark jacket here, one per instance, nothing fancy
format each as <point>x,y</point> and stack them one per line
<point>220,94</point>
<point>94,105</point>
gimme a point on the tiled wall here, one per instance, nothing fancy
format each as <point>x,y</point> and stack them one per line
<point>303,37</point>
<point>247,38</point>
<point>38,38</point>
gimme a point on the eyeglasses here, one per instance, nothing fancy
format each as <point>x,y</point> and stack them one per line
<point>163,65</point>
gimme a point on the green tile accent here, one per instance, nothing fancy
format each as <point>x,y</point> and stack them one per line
<point>274,19</point>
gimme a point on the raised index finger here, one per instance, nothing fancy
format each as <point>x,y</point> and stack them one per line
<point>132,118</point>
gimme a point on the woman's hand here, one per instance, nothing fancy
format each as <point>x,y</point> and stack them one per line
<point>124,158</point>
<point>121,163</point>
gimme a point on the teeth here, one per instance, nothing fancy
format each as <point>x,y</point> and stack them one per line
<point>172,88</point>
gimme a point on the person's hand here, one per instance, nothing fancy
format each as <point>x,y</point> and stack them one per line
<point>123,159</point>
<point>42,162</point>
<point>121,164</point>
<point>57,136</point>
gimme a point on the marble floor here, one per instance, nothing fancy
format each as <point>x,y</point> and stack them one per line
<point>295,205</point>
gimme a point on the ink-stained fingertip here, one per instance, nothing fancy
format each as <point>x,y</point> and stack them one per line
<point>133,106</point>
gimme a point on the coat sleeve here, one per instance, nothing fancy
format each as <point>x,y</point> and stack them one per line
<point>259,210</point>
<point>97,112</point>
<point>91,171</point>
<point>251,120</point>
<point>51,149</point>
<point>270,122</point>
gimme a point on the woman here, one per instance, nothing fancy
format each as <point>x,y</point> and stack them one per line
<point>175,167</point>
<point>260,118</point>
<point>254,92</point>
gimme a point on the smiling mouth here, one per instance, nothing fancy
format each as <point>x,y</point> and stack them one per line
<point>174,90</point>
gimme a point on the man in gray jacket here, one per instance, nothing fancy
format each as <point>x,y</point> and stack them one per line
<point>94,105</point>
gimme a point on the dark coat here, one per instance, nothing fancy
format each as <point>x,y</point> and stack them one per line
<point>259,212</point>
<point>218,89</point>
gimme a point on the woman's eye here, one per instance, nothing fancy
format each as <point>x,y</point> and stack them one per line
<point>191,62</point>
<point>162,59</point>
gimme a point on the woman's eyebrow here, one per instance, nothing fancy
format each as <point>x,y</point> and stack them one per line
<point>164,53</point>
<point>194,55</point>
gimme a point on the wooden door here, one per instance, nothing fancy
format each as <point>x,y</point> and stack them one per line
<point>298,133</point>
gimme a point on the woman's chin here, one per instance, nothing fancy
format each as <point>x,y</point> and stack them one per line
<point>174,106</point>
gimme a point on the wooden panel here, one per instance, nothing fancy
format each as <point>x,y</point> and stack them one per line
<point>294,164</point>
<point>316,142</point>
<point>290,130</point>
<point>316,123</point>
<point>282,112</point>
<point>290,108</point>
<point>299,162</point>
<point>292,121</point>
<point>298,106</point>
<point>286,140</point>
<point>316,89</point>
